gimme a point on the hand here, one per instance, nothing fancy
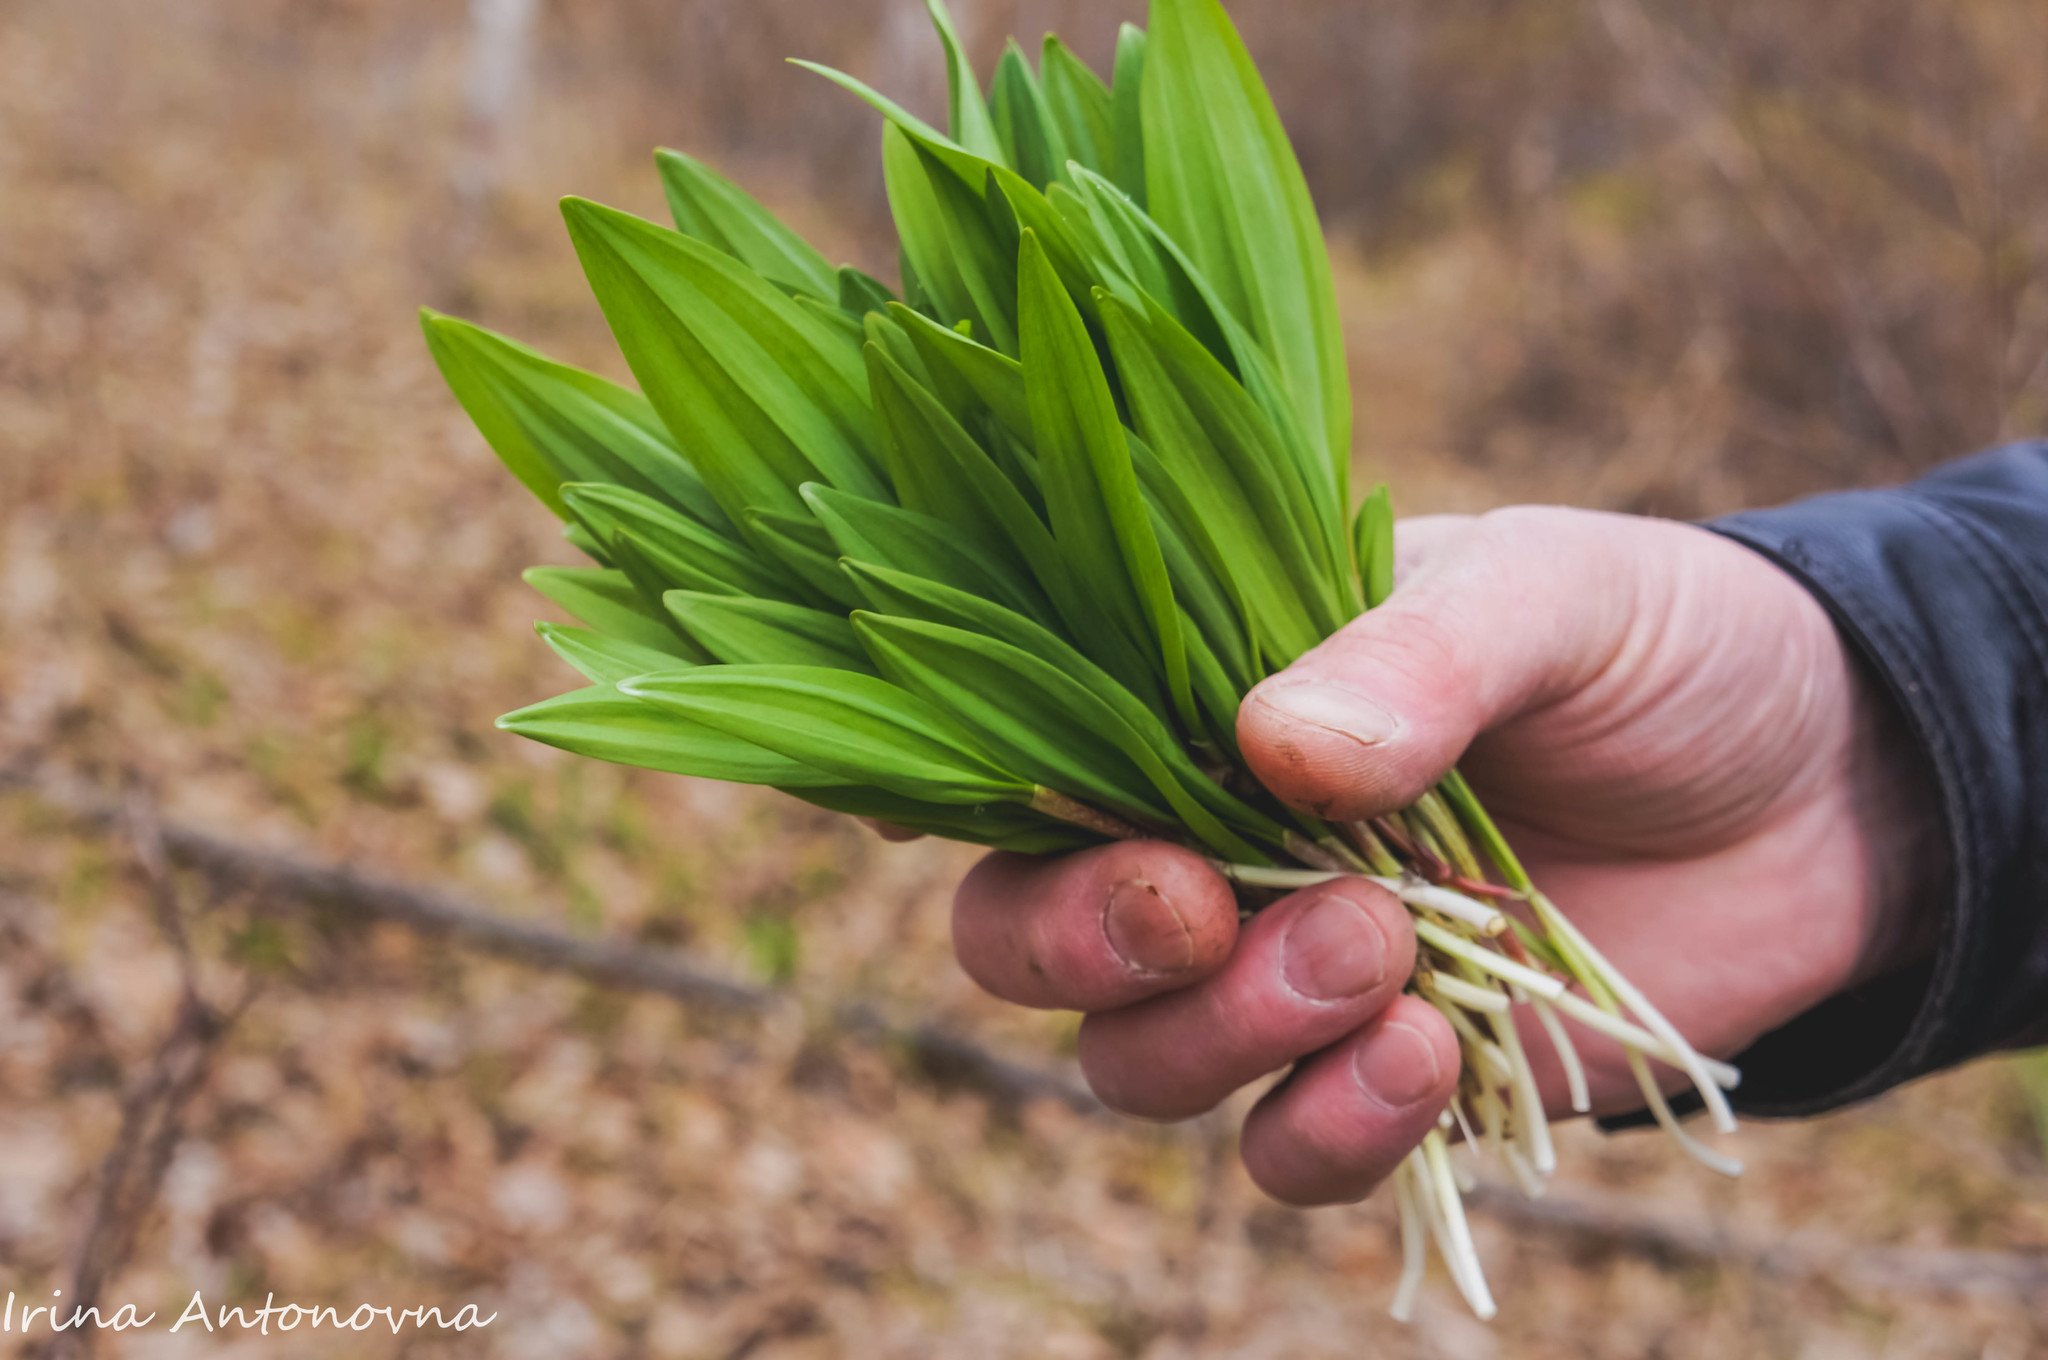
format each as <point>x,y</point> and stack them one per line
<point>1670,732</point>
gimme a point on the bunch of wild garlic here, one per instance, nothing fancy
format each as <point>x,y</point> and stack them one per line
<point>997,557</point>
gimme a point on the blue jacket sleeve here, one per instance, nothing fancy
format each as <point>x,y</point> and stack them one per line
<point>1942,585</point>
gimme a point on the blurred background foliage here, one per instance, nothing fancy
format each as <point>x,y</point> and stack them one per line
<point>1663,257</point>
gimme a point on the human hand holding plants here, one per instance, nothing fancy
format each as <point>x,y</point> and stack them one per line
<point>1673,736</point>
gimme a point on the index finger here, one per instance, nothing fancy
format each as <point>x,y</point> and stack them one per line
<point>1096,929</point>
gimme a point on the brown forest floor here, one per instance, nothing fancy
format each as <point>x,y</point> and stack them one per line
<point>253,562</point>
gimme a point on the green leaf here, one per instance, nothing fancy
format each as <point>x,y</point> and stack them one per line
<point>939,470</point>
<point>963,252</point>
<point>601,659</point>
<point>719,213</point>
<point>1003,826</point>
<point>1221,178</point>
<point>918,543</point>
<point>587,543</point>
<point>1372,537</point>
<point>1203,579</point>
<point>1080,105</point>
<point>1032,141</point>
<point>968,116</point>
<point>861,293</point>
<point>606,725</point>
<point>801,544</point>
<point>550,423</point>
<point>996,379</point>
<point>864,730</point>
<point>685,553</point>
<point>1098,515</point>
<point>1137,257</point>
<point>1126,91</point>
<point>970,167</point>
<point>1047,725</point>
<point>1263,527</point>
<point>764,394</point>
<point>1036,720</point>
<point>1139,730</point>
<point>607,601</point>
<point>741,631</point>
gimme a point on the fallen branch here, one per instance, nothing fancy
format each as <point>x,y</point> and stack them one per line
<point>280,880</point>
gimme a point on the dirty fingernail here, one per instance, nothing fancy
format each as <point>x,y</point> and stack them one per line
<point>1145,930</point>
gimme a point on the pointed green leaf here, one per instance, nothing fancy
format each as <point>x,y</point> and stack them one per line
<point>551,423</point>
<point>968,116</point>
<point>741,631</point>
<point>1372,537</point>
<point>1225,457</point>
<point>920,544</point>
<point>936,466</point>
<point>996,379</point>
<point>1098,515</point>
<point>718,212</point>
<point>970,167</point>
<point>1080,105</point>
<point>1032,141</point>
<point>801,545</point>
<point>685,553</point>
<point>602,723</point>
<point>1126,90</point>
<point>587,543</point>
<point>1045,724</point>
<point>963,252</point>
<point>861,293</point>
<point>1221,177</point>
<point>763,393</point>
<point>600,658</point>
<point>1002,826</point>
<point>864,730</point>
<point>607,601</point>
<point>1139,731</point>
<point>1138,257</point>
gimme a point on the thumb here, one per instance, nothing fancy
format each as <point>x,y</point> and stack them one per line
<point>1518,609</point>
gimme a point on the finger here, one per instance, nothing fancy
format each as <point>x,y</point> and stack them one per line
<point>1345,1119</point>
<point>1308,970</point>
<point>1093,930</point>
<point>889,831</point>
<point>1524,607</point>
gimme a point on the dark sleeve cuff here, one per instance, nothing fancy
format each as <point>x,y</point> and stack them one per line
<point>1942,587</point>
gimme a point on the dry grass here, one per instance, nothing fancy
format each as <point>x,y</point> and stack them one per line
<point>251,559</point>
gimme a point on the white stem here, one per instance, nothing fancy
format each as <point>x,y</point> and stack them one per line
<point>1687,1059</point>
<point>1463,1256</point>
<point>1259,876</point>
<point>1631,1035</point>
<point>1567,1054</point>
<point>1530,1123</point>
<point>1478,1048</point>
<point>1444,902</point>
<point>1459,992</point>
<point>1414,1249</point>
<point>1660,1110</point>
<point>1416,893</point>
<point>1498,964</point>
